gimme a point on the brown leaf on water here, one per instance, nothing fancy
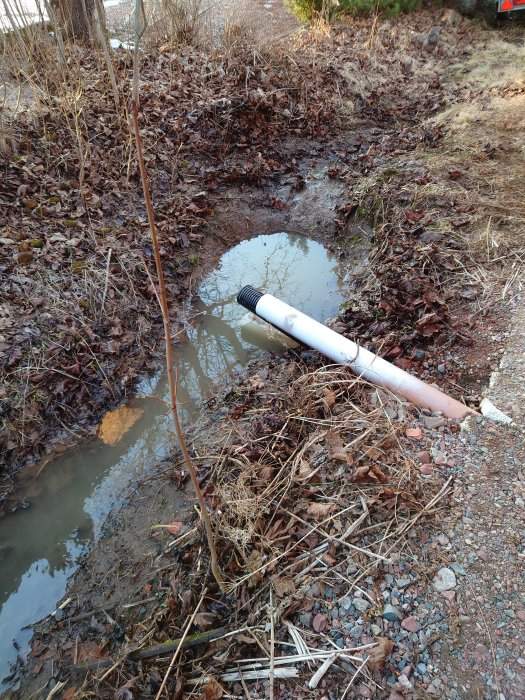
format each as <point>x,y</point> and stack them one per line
<point>319,510</point>
<point>116,424</point>
<point>378,655</point>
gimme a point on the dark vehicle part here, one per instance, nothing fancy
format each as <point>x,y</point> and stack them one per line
<point>492,10</point>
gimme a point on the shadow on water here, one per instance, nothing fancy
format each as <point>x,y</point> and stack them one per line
<point>69,498</point>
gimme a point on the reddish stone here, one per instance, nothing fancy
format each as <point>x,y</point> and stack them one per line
<point>521,614</point>
<point>449,595</point>
<point>410,624</point>
<point>424,457</point>
<point>414,433</point>
<point>426,470</point>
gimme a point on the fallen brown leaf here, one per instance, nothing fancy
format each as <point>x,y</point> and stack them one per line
<point>283,586</point>
<point>379,654</point>
<point>213,690</point>
<point>319,622</point>
<point>116,424</point>
<point>319,510</point>
<point>204,620</point>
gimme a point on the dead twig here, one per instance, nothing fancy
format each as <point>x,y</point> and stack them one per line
<point>139,30</point>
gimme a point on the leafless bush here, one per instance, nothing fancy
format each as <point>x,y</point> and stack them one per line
<point>179,22</point>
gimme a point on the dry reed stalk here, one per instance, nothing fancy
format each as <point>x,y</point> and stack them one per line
<point>172,382</point>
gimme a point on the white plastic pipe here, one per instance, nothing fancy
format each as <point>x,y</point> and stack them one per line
<point>345,352</point>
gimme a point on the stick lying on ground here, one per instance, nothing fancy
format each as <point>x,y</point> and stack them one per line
<point>166,647</point>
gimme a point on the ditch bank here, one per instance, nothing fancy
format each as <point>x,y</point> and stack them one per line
<point>406,313</point>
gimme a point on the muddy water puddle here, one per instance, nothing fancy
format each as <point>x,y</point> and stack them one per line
<point>69,498</point>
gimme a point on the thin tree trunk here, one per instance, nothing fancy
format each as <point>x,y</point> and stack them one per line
<point>163,300</point>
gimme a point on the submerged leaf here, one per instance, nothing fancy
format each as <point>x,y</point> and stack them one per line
<point>116,424</point>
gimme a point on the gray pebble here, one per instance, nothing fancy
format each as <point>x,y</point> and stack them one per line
<point>444,580</point>
<point>391,613</point>
<point>458,569</point>
<point>403,582</point>
<point>360,604</point>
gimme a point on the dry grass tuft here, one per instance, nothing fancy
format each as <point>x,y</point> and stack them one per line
<point>483,151</point>
<point>326,454</point>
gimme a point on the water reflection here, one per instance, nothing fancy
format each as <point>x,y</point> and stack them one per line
<point>71,497</point>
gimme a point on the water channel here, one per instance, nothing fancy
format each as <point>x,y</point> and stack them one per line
<point>69,498</point>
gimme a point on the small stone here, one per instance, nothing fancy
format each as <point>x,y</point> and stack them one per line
<point>424,457</point>
<point>444,580</point>
<point>426,470</point>
<point>410,624</point>
<point>438,456</point>
<point>435,688</point>
<point>414,433</point>
<point>361,604</point>
<point>391,613</point>
<point>432,422</point>
<point>458,569</point>
<point>403,582</point>
<point>510,613</point>
<point>404,682</point>
<point>521,615</point>
<point>305,619</point>
<point>449,595</point>
<point>421,669</point>
<point>441,369</point>
<point>520,502</point>
<point>521,661</point>
<point>356,632</point>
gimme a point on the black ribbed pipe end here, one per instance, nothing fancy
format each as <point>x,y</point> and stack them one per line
<point>249,297</point>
